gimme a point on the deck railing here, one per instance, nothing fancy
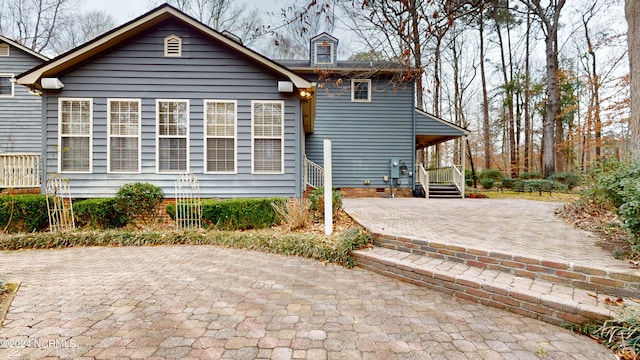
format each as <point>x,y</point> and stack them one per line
<point>313,174</point>
<point>447,175</point>
<point>422,178</point>
<point>20,170</point>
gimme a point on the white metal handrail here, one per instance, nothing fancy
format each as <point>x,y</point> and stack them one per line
<point>20,170</point>
<point>313,173</point>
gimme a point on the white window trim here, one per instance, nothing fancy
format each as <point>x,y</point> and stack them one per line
<point>253,137</point>
<point>139,135</point>
<point>166,46</point>
<point>235,136</point>
<point>158,101</point>
<point>321,44</point>
<point>13,85</point>
<point>353,88</point>
<point>60,100</point>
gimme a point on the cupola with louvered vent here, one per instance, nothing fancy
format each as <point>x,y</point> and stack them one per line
<point>172,46</point>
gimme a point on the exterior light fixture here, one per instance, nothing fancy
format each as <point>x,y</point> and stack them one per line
<point>305,94</point>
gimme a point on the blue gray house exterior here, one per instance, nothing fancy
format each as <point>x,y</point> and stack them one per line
<point>21,115</point>
<point>367,109</point>
<point>164,95</point>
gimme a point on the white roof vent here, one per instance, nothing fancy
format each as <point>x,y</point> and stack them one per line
<point>4,49</point>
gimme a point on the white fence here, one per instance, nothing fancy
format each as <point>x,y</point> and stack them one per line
<point>20,170</point>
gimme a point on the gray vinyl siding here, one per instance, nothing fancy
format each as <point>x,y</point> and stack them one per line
<point>365,135</point>
<point>206,71</point>
<point>20,115</point>
<point>429,125</point>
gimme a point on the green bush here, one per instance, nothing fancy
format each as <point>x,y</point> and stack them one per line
<point>336,249</point>
<point>23,213</point>
<point>240,214</point>
<point>617,184</point>
<point>508,183</point>
<point>98,214</point>
<point>493,174</point>
<point>138,201</point>
<point>530,175</point>
<point>316,202</point>
<point>568,178</point>
<point>487,183</point>
<point>541,185</point>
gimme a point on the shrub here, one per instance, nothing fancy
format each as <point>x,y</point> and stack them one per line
<point>568,178</point>
<point>336,249</point>
<point>23,213</point>
<point>316,202</point>
<point>487,183</point>
<point>508,183</point>
<point>617,184</point>
<point>622,335</point>
<point>530,175</point>
<point>241,214</point>
<point>493,174</point>
<point>294,214</point>
<point>98,214</point>
<point>543,185</point>
<point>138,201</point>
<point>3,284</point>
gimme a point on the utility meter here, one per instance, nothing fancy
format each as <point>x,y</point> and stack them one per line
<point>394,165</point>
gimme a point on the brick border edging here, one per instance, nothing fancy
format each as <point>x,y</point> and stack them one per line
<point>526,303</point>
<point>583,277</point>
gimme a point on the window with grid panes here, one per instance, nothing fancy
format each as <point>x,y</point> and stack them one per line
<point>173,124</point>
<point>220,130</point>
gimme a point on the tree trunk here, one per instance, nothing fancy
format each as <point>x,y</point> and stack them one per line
<point>527,99</point>
<point>485,100</point>
<point>632,11</point>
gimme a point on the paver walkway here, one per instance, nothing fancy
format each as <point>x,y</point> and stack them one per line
<point>521,227</point>
<point>209,302</point>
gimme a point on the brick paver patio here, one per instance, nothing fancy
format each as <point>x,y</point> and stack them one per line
<point>209,302</point>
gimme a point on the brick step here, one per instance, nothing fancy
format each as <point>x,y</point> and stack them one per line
<point>620,282</point>
<point>535,298</point>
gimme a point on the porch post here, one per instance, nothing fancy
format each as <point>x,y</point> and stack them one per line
<point>328,191</point>
<point>463,145</point>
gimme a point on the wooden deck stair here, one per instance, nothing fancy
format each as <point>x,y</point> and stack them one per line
<point>555,292</point>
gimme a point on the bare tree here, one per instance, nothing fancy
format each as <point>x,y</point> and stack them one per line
<point>549,18</point>
<point>84,27</point>
<point>632,12</point>
<point>223,15</point>
<point>34,23</point>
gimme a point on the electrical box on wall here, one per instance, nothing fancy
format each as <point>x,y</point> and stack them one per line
<point>394,165</point>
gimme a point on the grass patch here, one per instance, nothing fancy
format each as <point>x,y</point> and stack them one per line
<point>622,335</point>
<point>334,249</point>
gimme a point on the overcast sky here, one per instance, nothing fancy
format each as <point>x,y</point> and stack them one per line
<point>125,10</point>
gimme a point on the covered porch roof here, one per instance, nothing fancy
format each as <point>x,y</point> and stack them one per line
<point>431,130</point>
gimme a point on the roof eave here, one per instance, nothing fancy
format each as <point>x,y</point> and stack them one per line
<point>136,26</point>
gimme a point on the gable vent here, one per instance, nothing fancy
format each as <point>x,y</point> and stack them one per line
<point>4,49</point>
<point>172,46</point>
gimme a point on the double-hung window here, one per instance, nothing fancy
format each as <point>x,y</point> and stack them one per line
<point>6,85</point>
<point>173,132</point>
<point>360,90</point>
<point>124,135</point>
<point>324,52</point>
<point>220,133</point>
<point>267,119</point>
<point>75,123</point>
